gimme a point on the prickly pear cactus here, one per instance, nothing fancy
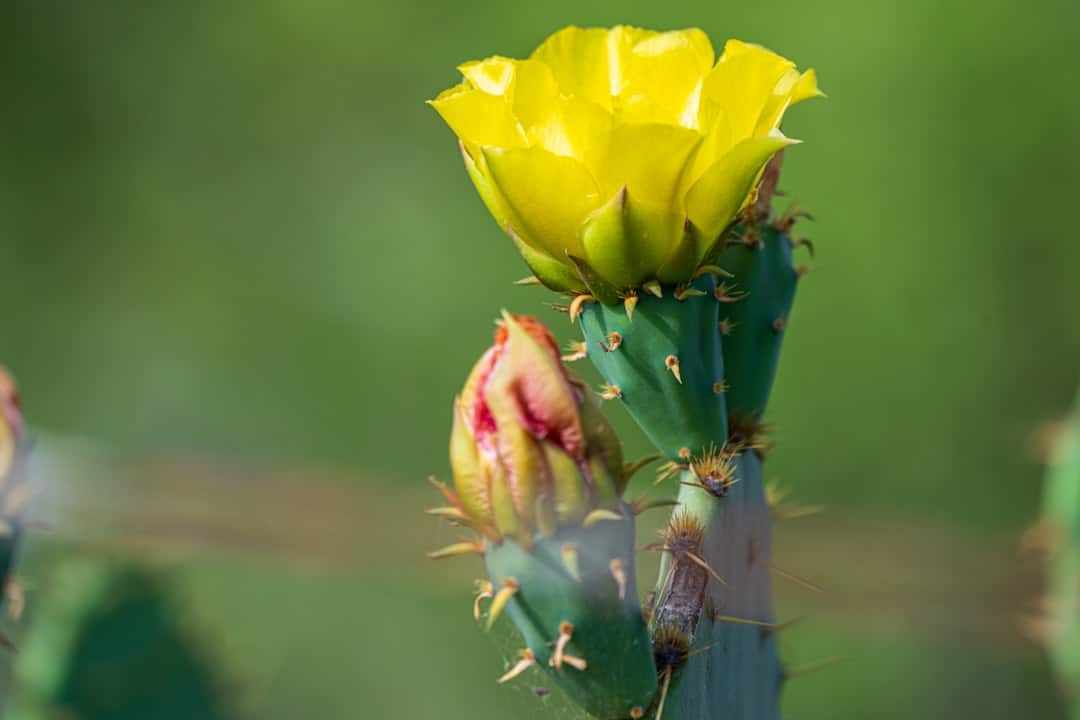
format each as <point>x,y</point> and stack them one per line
<point>634,172</point>
<point>1061,522</point>
<point>103,641</point>
<point>538,475</point>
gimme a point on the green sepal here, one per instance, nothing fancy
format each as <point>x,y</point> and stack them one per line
<point>673,415</point>
<point>608,631</point>
<point>571,497</point>
<point>719,244</point>
<point>765,273</point>
<point>626,242</point>
<point>686,256</point>
<point>554,275</point>
<point>597,286</point>
<point>503,507</point>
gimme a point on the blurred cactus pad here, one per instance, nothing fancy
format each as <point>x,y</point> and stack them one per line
<point>105,641</point>
<point>1061,525</point>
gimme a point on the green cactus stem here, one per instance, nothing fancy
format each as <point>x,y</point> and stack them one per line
<point>104,641</point>
<point>760,263</point>
<point>573,600</point>
<point>710,615</point>
<point>718,601</point>
<point>665,359</point>
<point>1061,523</point>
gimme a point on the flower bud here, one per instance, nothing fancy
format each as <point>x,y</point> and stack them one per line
<point>529,450</point>
<point>11,423</point>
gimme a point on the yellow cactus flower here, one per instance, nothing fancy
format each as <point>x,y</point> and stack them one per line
<point>618,157</point>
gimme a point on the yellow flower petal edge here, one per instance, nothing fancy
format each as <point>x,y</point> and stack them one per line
<point>621,154</point>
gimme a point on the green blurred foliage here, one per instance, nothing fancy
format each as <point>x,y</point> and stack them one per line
<point>105,644</point>
<point>234,229</point>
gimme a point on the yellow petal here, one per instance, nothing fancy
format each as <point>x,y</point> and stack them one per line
<point>589,62</point>
<point>621,41</point>
<point>493,75</point>
<point>533,91</point>
<point>578,58</point>
<point>742,83</point>
<point>806,87</point>
<point>649,160</point>
<point>717,142</point>
<point>715,199</point>
<point>555,273</point>
<point>547,197</point>
<point>662,78</point>
<point>792,87</point>
<point>562,125</point>
<point>575,128</point>
<point>527,85</point>
<point>479,119</point>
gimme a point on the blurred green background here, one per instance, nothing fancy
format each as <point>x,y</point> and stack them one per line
<point>243,273</point>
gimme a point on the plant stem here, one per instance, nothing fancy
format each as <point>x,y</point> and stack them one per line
<point>733,671</point>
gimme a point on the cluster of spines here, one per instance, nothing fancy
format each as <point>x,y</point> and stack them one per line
<point>500,590</point>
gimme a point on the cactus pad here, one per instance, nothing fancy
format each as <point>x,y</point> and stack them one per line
<point>605,664</point>
<point>755,315</point>
<point>667,365</point>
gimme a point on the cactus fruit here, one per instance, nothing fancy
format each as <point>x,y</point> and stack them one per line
<point>538,474</point>
<point>1061,531</point>
<point>103,641</point>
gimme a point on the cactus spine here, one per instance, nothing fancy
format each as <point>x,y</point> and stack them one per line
<point>1061,529</point>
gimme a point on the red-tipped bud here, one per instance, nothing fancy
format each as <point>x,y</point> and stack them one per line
<point>11,422</point>
<point>528,450</point>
